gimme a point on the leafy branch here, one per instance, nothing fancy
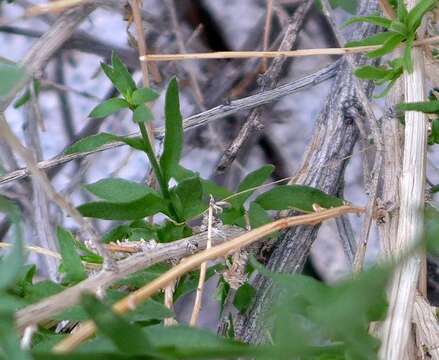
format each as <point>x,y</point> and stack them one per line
<point>401,30</point>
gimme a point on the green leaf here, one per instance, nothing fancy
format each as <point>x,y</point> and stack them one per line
<point>369,72</point>
<point>190,195</point>
<point>108,107</point>
<point>389,45</point>
<point>94,142</point>
<point>416,14</point>
<point>10,75</point>
<point>434,133</point>
<point>150,204</point>
<point>376,39</point>
<point>375,20</point>
<point>429,107</point>
<point>118,190</point>
<point>298,197</point>
<point>71,261</point>
<point>143,95</point>
<point>27,95</point>
<point>9,341</point>
<point>311,312</point>
<point>119,76</point>
<point>10,265</point>
<point>243,297</point>
<point>407,57</point>
<point>91,143</point>
<point>348,5</point>
<point>142,114</point>
<point>399,27</point>
<point>401,11</point>
<point>127,337</point>
<point>257,215</point>
<point>173,142</point>
<point>249,183</point>
<point>123,75</point>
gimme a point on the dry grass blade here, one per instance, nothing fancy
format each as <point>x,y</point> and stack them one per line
<point>273,54</point>
<point>56,6</point>
<point>133,300</point>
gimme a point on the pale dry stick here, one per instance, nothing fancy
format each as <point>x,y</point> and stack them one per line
<point>203,269</point>
<point>130,302</point>
<point>194,121</point>
<point>182,48</point>
<point>272,54</point>
<point>35,249</point>
<point>387,9</point>
<point>267,28</point>
<point>402,291</point>
<point>59,5</point>
<point>44,182</point>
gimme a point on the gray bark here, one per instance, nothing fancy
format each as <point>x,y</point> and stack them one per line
<point>332,144</point>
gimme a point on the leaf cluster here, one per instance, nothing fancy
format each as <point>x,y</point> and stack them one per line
<point>398,31</point>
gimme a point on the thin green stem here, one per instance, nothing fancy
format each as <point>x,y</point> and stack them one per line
<point>157,170</point>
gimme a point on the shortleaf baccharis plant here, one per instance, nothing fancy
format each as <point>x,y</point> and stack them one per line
<point>399,31</point>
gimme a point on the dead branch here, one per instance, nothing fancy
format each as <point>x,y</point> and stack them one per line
<point>134,299</point>
<point>267,81</point>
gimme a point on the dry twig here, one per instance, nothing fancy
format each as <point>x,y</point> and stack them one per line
<point>134,299</point>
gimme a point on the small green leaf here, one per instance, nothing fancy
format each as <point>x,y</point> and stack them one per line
<point>127,337</point>
<point>9,341</point>
<point>190,194</point>
<point>375,20</point>
<point>417,13</point>
<point>389,45</point>
<point>108,107</point>
<point>377,39</point>
<point>298,197</point>
<point>143,95</point>
<point>243,297</point>
<point>407,57</point>
<point>257,215</point>
<point>428,107</point>
<point>27,95</point>
<point>10,75</point>
<point>124,76</point>
<point>249,184</point>
<point>71,262</point>
<point>369,72</point>
<point>173,142</point>
<point>10,265</point>
<point>142,114</point>
<point>347,5</point>
<point>399,27</point>
<point>401,11</point>
<point>91,143</point>
<point>150,204</point>
<point>118,190</point>
<point>119,76</point>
